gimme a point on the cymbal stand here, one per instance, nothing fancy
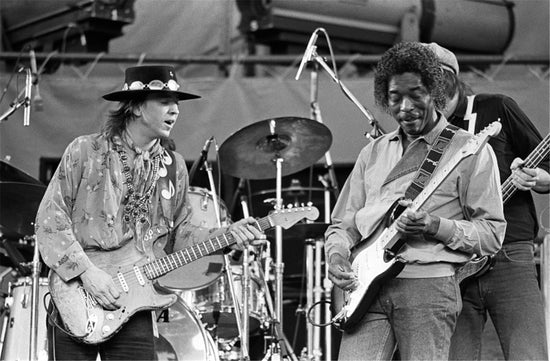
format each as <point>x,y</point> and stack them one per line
<point>34,303</point>
<point>245,279</point>
<point>274,351</point>
<point>279,265</point>
<point>227,266</point>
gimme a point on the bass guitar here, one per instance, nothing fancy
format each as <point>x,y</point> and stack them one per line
<point>478,266</point>
<point>133,274</point>
<point>374,262</point>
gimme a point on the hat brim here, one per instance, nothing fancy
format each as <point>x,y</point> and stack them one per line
<point>142,93</point>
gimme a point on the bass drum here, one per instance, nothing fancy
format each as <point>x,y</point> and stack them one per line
<point>17,321</point>
<point>182,336</point>
<point>207,269</point>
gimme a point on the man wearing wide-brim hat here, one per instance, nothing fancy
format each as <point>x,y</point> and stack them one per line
<point>116,197</point>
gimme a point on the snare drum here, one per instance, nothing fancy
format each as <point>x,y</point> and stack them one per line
<point>207,269</point>
<point>182,336</point>
<point>217,309</point>
<point>18,321</point>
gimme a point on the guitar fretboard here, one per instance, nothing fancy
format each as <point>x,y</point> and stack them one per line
<point>162,266</point>
<point>532,161</point>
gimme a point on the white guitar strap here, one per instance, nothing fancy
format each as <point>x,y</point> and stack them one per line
<point>469,116</point>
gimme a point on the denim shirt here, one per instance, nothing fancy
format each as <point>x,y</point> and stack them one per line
<point>468,202</point>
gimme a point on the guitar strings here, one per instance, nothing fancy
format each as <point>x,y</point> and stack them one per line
<point>533,159</point>
<point>159,269</point>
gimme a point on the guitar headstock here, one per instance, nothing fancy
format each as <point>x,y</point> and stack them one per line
<point>289,216</point>
<point>491,130</point>
<point>475,144</point>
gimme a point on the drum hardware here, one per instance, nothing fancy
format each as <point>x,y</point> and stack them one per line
<point>208,269</point>
<point>270,149</point>
<point>182,335</point>
<point>17,339</point>
<point>251,152</point>
<point>230,282</point>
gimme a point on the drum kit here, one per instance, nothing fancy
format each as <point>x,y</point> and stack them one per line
<point>223,299</point>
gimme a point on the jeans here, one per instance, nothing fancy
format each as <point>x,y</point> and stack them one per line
<point>510,294</point>
<point>134,341</point>
<point>418,315</point>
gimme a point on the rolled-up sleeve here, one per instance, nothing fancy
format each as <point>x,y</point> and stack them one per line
<point>483,229</point>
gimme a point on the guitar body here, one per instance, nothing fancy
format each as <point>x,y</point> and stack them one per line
<point>373,263</point>
<point>373,267</point>
<point>133,275</point>
<point>86,319</point>
<point>474,268</point>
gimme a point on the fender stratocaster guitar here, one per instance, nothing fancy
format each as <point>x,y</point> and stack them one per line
<point>480,265</point>
<point>133,274</point>
<point>374,262</point>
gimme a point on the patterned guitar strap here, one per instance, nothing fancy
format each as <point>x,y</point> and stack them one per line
<point>431,162</point>
<point>424,172</point>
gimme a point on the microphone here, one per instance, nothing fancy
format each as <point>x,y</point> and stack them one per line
<point>37,101</point>
<point>205,148</point>
<point>202,158</point>
<point>307,54</point>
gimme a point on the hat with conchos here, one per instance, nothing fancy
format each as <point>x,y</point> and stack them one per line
<point>143,80</point>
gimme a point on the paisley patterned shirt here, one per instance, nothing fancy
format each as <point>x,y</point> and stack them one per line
<point>82,209</point>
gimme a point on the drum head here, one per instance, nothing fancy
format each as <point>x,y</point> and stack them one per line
<point>207,269</point>
<point>181,336</point>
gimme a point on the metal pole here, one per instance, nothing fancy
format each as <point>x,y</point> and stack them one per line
<point>545,282</point>
<point>35,303</point>
<point>227,265</point>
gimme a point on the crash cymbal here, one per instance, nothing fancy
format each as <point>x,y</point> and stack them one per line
<point>289,191</point>
<point>251,152</point>
<point>18,206</point>
<point>301,231</point>
<point>9,173</point>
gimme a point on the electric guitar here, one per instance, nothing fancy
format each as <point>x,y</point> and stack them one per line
<point>133,274</point>
<point>478,266</point>
<point>374,262</point>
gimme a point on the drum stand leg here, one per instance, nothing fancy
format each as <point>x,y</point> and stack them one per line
<point>274,351</point>
<point>8,301</point>
<point>243,332</point>
<point>34,303</point>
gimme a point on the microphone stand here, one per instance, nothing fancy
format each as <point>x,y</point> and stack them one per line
<point>314,246</point>
<point>21,101</point>
<point>377,130</point>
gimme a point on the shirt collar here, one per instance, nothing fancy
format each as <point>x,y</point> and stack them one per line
<point>428,138</point>
<point>460,110</point>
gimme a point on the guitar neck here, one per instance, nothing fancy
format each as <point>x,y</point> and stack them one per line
<point>532,161</point>
<point>162,266</point>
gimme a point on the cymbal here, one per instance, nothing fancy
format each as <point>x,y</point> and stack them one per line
<point>301,231</point>
<point>251,152</point>
<point>290,191</point>
<point>9,173</point>
<point>19,203</point>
